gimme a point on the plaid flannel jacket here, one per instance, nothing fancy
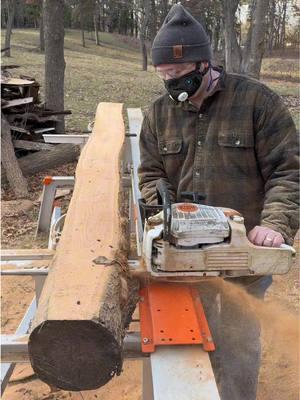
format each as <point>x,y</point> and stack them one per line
<point>240,150</point>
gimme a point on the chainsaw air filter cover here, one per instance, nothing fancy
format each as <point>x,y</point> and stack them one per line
<point>193,224</point>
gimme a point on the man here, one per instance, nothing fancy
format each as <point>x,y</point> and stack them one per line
<point>232,139</point>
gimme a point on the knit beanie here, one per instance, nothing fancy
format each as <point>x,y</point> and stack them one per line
<point>180,39</point>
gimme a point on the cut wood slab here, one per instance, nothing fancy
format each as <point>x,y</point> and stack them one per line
<point>17,82</point>
<point>17,102</point>
<point>87,301</point>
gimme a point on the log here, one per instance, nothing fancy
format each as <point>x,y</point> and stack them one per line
<point>30,145</point>
<point>45,160</point>
<point>87,301</point>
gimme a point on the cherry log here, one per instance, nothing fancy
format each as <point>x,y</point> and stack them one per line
<point>87,301</point>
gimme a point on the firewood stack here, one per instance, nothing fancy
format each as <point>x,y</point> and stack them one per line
<point>27,117</point>
<point>24,121</point>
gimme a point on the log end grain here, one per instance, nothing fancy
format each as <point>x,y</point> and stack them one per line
<point>74,355</point>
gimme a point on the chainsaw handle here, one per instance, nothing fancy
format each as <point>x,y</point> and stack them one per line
<point>163,198</point>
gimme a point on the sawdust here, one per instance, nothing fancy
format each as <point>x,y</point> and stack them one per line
<point>280,338</point>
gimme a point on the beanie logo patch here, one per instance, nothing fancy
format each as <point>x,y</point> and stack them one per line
<point>177,51</point>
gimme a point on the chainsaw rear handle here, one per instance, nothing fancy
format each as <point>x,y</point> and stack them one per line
<point>164,199</point>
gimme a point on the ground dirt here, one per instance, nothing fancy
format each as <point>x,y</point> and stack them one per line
<point>112,72</point>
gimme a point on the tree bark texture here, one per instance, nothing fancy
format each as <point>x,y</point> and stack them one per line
<point>254,50</point>
<point>54,58</point>
<point>44,160</point>
<point>88,297</point>
<point>81,22</point>
<point>10,164</point>
<point>96,23</point>
<point>11,7</point>
<point>232,50</point>
<point>42,33</point>
<point>143,32</point>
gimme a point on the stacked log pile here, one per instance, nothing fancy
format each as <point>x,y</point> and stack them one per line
<point>24,121</point>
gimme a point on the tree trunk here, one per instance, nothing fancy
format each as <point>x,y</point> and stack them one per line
<point>164,7</point>
<point>143,31</point>
<point>253,53</point>
<point>271,31</point>
<point>20,14</point>
<point>10,164</point>
<point>44,160</point>
<point>153,21</point>
<point>96,22</point>
<point>81,24</point>
<point>144,55</point>
<point>54,58</point>
<point>42,34</point>
<point>282,30</point>
<point>87,300</point>
<point>11,7</point>
<point>232,49</point>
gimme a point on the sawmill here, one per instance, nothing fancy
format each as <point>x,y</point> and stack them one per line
<point>113,260</point>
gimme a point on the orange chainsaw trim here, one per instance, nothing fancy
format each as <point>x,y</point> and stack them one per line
<point>172,314</point>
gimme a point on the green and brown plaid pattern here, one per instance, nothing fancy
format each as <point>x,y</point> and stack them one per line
<point>240,150</point>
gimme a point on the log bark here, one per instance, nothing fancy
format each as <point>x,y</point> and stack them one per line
<point>42,161</point>
<point>76,338</point>
<point>10,164</point>
<point>30,145</point>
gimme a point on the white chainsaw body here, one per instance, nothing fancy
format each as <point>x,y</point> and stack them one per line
<point>208,241</point>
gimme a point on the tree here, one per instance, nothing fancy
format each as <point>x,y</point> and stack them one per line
<point>232,48</point>
<point>96,22</point>
<point>145,14</point>
<point>42,33</point>
<point>11,8</point>
<point>54,57</point>
<point>254,49</point>
<point>247,60</point>
<point>10,164</point>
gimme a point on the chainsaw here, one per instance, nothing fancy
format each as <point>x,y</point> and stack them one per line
<point>192,239</point>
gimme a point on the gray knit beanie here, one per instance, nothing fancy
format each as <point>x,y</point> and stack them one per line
<point>180,39</point>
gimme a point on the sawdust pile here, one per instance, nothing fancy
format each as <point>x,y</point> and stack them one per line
<point>280,340</point>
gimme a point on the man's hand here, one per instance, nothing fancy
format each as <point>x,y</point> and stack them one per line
<point>262,236</point>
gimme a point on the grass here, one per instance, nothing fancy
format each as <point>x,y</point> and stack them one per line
<point>112,72</point>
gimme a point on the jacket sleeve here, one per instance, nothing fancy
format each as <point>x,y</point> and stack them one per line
<point>151,165</point>
<point>277,147</point>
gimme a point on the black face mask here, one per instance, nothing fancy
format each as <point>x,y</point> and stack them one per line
<point>180,89</point>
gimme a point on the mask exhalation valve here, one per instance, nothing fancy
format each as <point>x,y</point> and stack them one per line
<point>183,96</point>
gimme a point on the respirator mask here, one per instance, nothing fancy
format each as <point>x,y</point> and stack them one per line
<point>180,89</point>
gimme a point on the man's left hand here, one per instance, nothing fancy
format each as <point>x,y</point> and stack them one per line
<point>263,236</point>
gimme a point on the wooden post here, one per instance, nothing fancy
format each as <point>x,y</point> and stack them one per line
<point>87,301</point>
